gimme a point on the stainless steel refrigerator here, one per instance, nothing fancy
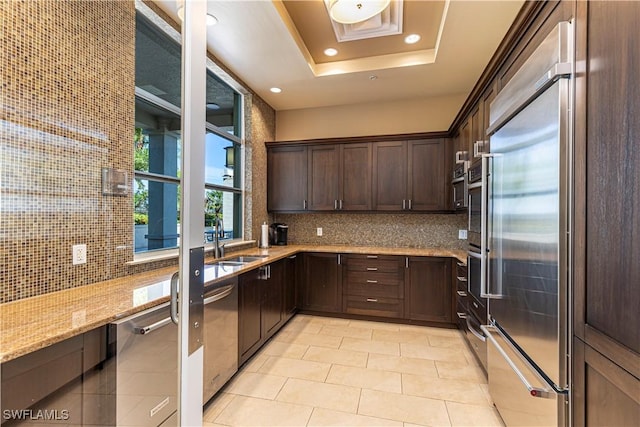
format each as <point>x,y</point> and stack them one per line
<point>527,238</point>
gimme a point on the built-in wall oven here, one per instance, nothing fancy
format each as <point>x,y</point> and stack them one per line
<point>459,183</point>
<point>477,305</point>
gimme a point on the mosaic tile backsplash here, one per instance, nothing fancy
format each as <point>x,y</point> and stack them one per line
<point>67,111</point>
<point>388,230</point>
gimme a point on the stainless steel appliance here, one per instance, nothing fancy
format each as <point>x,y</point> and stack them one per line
<point>143,349</point>
<point>477,303</point>
<point>220,335</point>
<point>528,249</point>
<point>459,183</point>
<point>278,234</point>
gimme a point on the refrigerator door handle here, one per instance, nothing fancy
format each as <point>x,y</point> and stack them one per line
<point>545,393</point>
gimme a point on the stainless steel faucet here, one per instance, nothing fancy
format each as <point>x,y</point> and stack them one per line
<point>218,251</point>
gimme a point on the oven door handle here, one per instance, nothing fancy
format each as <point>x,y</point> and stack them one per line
<point>143,330</point>
<point>219,294</point>
<point>474,332</point>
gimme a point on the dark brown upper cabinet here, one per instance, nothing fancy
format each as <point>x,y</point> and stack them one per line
<point>359,176</point>
<point>356,176</point>
<point>287,178</point>
<point>409,175</point>
<point>390,175</point>
<point>324,177</point>
<point>340,177</point>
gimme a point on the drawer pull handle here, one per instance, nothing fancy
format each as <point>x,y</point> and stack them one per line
<point>462,293</point>
<point>461,279</point>
<point>372,268</point>
<point>372,256</point>
<point>372,300</point>
<point>461,315</point>
<point>372,281</point>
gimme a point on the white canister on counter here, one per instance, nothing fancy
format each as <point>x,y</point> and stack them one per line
<point>264,236</point>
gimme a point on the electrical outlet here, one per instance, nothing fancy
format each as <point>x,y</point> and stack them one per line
<point>462,234</point>
<point>319,231</point>
<point>79,254</point>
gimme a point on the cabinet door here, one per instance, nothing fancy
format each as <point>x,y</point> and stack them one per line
<point>356,177</point>
<point>287,178</point>
<point>465,137</point>
<point>427,188</point>
<point>271,309</point>
<point>290,297</point>
<point>249,314</point>
<point>611,297</point>
<point>428,294</point>
<point>322,287</point>
<point>477,124</point>
<point>604,393</point>
<point>389,175</point>
<point>487,98</point>
<point>324,167</point>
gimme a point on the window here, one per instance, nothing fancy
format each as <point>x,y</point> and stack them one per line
<point>157,143</point>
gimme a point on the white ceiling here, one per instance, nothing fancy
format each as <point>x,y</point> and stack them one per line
<point>253,41</point>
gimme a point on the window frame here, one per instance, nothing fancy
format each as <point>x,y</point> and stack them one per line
<point>239,128</point>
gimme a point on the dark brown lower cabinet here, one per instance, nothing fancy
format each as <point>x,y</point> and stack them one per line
<point>322,288</point>
<point>373,285</point>
<point>604,393</point>
<point>428,289</point>
<point>272,299</point>
<point>260,307</point>
<point>290,291</point>
<point>249,314</point>
<point>54,379</point>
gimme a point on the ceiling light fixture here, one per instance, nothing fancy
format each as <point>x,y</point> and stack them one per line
<point>412,38</point>
<point>330,52</point>
<point>354,11</point>
<point>275,90</point>
<point>212,106</point>
<point>211,20</point>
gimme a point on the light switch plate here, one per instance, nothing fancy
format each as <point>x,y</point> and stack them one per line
<point>79,254</point>
<point>319,231</point>
<point>462,234</point>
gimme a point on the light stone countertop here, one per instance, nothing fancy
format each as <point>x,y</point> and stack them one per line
<point>33,323</point>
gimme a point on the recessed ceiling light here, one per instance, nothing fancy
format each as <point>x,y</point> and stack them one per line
<point>412,38</point>
<point>211,20</point>
<point>275,90</point>
<point>330,52</point>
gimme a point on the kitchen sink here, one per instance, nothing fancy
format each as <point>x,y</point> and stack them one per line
<point>246,258</point>
<point>216,269</point>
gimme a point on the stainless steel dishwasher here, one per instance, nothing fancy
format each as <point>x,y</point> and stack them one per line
<point>143,349</point>
<point>220,335</point>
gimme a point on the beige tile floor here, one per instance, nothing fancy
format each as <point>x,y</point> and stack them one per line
<point>320,371</point>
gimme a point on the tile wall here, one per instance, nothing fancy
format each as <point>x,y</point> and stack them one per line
<point>389,230</point>
<point>66,112</point>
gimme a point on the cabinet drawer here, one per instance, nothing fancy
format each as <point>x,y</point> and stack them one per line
<point>379,263</point>
<point>372,306</point>
<point>461,270</point>
<point>374,288</point>
<point>374,277</point>
<point>460,316</point>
